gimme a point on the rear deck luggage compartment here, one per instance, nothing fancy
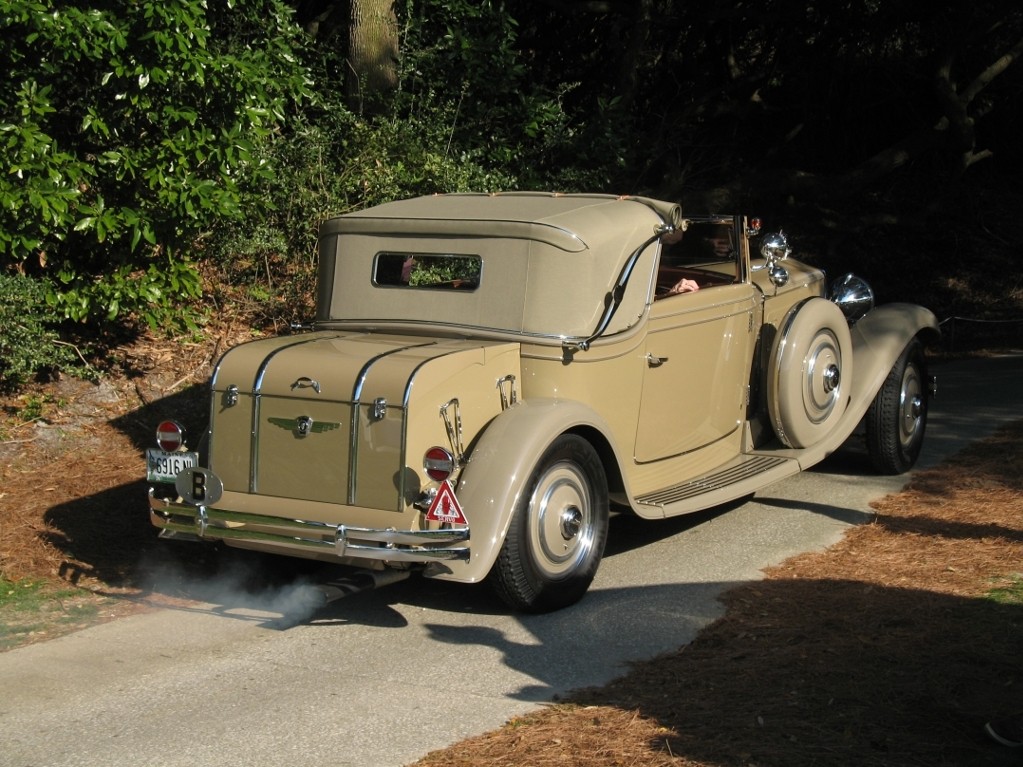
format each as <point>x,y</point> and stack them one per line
<point>319,441</point>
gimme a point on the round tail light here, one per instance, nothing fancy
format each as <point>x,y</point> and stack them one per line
<point>438,463</point>
<point>170,436</point>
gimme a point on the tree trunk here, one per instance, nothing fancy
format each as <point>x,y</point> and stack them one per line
<point>372,52</point>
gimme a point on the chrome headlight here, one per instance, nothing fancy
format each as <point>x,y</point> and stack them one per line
<point>853,296</point>
<point>775,247</point>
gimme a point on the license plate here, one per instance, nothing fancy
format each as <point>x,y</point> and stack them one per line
<point>162,466</point>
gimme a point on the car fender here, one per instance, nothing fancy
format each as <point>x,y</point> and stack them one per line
<point>878,339</point>
<point>499,467</point>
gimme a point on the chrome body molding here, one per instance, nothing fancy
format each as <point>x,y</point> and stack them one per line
<point>389,545</point>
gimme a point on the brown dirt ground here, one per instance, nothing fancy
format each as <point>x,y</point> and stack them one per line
<point>72,491</point>
<point>882,650</point>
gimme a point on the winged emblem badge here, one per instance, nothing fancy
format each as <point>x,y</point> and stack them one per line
<point>304,425</point>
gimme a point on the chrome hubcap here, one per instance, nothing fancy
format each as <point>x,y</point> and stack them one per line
<point>561,520</point>
<point>911,404</point>
<point>832,378</point>
<point>822,385</point>
<point>571,522</point>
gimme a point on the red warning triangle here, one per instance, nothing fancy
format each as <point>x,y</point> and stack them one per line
<point>445,507</point>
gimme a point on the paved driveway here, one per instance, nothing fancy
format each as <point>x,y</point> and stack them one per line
<point>384,677</point>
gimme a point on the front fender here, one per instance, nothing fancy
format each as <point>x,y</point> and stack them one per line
<point>499,468</point>
<point>878,339</point>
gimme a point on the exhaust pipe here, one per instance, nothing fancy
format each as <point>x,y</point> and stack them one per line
<point>356,583</point>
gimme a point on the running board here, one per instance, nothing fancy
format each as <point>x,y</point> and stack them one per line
<point>740,477</point>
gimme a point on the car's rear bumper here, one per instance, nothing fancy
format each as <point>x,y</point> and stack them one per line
<point>300,537</point>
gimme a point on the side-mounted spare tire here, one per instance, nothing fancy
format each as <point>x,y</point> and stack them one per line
<point>558,530</point>
<point>897,418</point>
<point>810,365</point>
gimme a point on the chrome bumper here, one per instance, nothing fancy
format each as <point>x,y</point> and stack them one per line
<point>390,545</point>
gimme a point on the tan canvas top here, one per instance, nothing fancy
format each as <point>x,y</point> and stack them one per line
<point>564,220</point>
<point>549,260</point>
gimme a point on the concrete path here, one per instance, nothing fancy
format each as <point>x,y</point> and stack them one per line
<point>382,678</point>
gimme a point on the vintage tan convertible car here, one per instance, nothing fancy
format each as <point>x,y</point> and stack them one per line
<point>489,376</point>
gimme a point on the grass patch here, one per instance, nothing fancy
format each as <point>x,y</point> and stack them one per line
<point>32,610</point>
<point>1010,592</point>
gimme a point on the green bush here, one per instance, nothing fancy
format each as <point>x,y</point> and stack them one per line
<point>466,71</point>
<point>128,129</point>
<point>29,343</point>
<point>336,162</point>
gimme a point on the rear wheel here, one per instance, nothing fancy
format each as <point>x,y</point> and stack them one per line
<point>897,418</point>
<point>558,530</point>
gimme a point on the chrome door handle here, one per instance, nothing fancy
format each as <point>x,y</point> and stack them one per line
<point>654,361</point>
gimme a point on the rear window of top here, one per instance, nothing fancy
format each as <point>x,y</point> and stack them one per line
<point>429,271</point>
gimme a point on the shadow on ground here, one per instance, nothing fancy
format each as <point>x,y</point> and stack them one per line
<point>189,407</point>
<point>804,672</point>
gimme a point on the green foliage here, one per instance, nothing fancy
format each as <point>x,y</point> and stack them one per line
<point>129,128</point>
<point>337,162</point>
<point>29,343</point>
<point>465,67</point>
<point>436,270</point>
<point>33,408</point>
<point>144,139</point>
<point>159,295</point>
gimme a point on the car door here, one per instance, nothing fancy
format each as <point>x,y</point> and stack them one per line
<point>699,344</point>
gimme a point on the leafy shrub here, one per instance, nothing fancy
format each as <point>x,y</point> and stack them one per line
<point>466,71</point>
<point>129,128</point>
<point>29,343</point>
<point>332,163</point>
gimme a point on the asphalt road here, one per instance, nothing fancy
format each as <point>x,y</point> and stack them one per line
<point>384,677</point>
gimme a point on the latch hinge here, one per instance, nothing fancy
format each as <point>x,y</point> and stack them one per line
<point>453,425</point>
<point>509,396</point>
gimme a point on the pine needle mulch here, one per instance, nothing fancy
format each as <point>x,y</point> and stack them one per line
<point>893,647</point>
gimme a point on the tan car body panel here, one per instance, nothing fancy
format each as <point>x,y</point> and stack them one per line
<point>576,241</point>
<point>276,472</point>
<point>671,393</point>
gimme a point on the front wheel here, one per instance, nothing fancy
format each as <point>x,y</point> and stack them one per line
<point>558,530</point>
<point>897,418</point>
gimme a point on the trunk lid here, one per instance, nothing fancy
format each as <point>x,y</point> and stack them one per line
<point>325,416</point>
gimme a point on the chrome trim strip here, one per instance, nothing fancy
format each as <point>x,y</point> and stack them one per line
<point>353,433</point>
<point>405,397</point>
<point>385,544</point>
<point>208,458</point>
<point>254,442</point>
<point>257,386</point>
<point>360,380</point>
<point>384,325</point>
